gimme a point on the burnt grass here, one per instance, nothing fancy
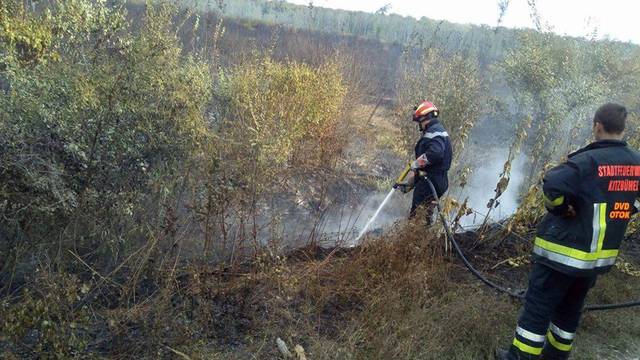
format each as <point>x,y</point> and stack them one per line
<point>397,296</point>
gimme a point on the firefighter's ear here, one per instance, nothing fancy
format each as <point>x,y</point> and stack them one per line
<point>597,130</point>
<point>597,126</point>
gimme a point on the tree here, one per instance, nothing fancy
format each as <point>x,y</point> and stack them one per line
<point>384,10</point>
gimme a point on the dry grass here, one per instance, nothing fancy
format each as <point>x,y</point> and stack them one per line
<point>397,297</point>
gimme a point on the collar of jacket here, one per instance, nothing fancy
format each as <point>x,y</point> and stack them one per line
<point>430,125</point>
<point>599,145</point>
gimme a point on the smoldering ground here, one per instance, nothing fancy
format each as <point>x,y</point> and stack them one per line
<point>342,224</point>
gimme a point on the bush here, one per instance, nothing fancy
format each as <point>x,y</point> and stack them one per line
<point>450,82</point>
<point>285,114</point>
<point>95,115</point>
<point>280,127</point>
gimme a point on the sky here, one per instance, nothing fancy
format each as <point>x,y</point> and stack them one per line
<point>613,19</point>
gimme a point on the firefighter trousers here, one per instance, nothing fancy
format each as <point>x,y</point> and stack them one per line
<point>423,196</point>
<point>550,316</point>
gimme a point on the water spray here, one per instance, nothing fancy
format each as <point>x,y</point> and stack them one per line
<point>384,202</point>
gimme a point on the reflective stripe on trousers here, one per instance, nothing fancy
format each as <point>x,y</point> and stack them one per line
<point>528,342</point>
<point>561,340</point>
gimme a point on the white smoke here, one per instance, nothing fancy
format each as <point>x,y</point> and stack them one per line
<point>480,188</point>
<point>342,224</point>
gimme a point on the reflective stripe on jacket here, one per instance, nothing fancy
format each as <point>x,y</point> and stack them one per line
<point>435,144</point>
<point>601,182</point>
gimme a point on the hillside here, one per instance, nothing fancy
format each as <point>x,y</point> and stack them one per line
<point>490,44</point>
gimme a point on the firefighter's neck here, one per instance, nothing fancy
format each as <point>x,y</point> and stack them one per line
<point>600,134</point>
<point>424,124</point>
<point>608,136</point>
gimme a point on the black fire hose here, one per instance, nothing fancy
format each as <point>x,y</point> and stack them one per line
<point>518,294</point>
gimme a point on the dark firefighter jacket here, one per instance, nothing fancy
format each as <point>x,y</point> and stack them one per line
<point>601,183</point>
<point>436,145</point>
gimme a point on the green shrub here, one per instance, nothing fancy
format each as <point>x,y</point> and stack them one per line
<point>285,113</point>
<point>279,126</point>
<point>95,114</point>
<point>47,318</point>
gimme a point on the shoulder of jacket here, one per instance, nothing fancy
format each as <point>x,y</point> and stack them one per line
<point>582,161</point>
<point>579,156</point>
<point>586,154</point>
<point>435,131</point>
<point>606,151</point>
<point>633,151</point>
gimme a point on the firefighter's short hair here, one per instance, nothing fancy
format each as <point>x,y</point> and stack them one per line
<point>612,117</point>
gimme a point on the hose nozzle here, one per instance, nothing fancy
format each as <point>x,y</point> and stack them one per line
<point>403,175</point>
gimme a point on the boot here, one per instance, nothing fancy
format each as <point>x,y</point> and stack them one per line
<point>501,354</point>
<point>550,353</point>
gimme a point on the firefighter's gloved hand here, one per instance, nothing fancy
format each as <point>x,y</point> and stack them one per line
<point>404,187</point>
<point>419,163</point>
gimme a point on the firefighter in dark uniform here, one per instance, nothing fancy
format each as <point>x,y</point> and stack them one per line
<point>590,200</point>
<point>433,156</point>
